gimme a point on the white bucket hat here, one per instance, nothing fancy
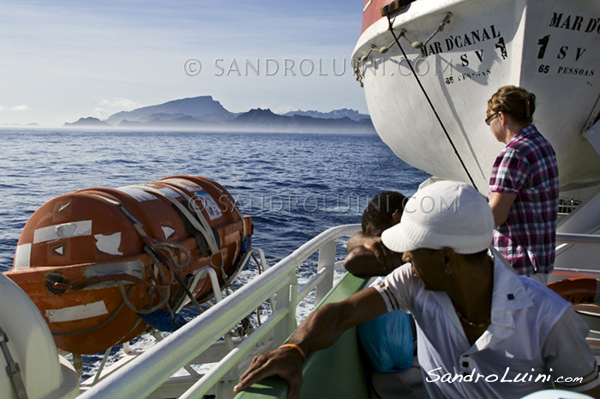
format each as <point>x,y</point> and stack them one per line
<point>443,214</point>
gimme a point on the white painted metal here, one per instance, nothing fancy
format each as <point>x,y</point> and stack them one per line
<point>45,374</point>
<point>147,372</point>
<point>593,136</point>
<point>585,219</point>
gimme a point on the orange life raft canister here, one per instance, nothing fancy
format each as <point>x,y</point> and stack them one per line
<point>95,261</point>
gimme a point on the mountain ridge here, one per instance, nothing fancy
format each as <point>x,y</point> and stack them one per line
<point>206,113</point>
<point>335,114</point>
<point>196,107</point>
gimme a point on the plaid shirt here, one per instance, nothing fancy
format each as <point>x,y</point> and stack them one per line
<point>527,168</point>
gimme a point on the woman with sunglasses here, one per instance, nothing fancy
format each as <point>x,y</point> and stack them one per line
<point>523,192</point>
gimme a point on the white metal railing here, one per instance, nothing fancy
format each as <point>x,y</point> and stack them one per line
<point>579,239</point>
<point>565,239</point>
<point>147,372</point>
<point>590,316</point>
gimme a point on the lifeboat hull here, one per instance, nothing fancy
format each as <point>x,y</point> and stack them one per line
<point>95,261</point>
<point>548,47</point>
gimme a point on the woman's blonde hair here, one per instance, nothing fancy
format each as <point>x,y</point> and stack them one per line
<point>514,101</point>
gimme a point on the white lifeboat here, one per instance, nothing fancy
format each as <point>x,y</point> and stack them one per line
<point>428,83</point>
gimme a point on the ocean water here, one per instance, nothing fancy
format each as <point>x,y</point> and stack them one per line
<point>293,185</point>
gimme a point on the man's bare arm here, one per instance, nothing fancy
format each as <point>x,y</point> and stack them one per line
<point>501,204</point>
<point>320,330</point>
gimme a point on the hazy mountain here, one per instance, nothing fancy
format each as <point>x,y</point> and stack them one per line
<point>88,122</point>
<point>260,116</point>
<point>201,108</point>
<point>205,113</point>
<point>266,120</point>
<point>335,114</point>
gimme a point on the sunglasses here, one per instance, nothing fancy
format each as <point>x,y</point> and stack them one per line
<point>488,120</point>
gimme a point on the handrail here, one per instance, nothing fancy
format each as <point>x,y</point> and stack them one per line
<point>580,239</point>
<point>144,374</point>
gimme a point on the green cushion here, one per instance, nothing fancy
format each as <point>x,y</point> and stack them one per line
<point>335,372</point>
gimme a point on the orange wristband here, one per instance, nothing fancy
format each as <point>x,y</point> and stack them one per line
<point>295,347</point>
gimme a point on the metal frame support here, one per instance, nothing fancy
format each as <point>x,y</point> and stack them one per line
<point>12,368</point>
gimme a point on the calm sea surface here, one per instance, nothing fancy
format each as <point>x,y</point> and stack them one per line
<point>293,185</point>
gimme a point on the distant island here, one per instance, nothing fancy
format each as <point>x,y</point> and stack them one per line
<point>205,113</point>
<point>90,122</point>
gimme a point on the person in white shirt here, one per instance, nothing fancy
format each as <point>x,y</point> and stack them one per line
<point>483,331</point>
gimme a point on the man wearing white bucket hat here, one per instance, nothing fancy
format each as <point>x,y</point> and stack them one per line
<point>483,331</point>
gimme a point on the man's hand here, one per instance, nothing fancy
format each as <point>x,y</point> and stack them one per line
<point>387,258</point>
<point>321,329</point>
<point>283,362</point>
<point>370,257</point>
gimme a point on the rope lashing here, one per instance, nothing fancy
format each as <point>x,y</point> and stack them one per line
<point>438,30</point>
<point>416,44</point>
<point>414,73</point>
<point>198,222</point>
<point>384,49</point>
<point>169,255</point>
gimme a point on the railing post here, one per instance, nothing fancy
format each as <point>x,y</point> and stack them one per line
<point>160,362</point>
<point>326,262</point>
<point>292,323</point>
<point>286,298</point>
<point>224,389</point>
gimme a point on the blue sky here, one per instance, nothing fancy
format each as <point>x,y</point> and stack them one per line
<point>62,60</point>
